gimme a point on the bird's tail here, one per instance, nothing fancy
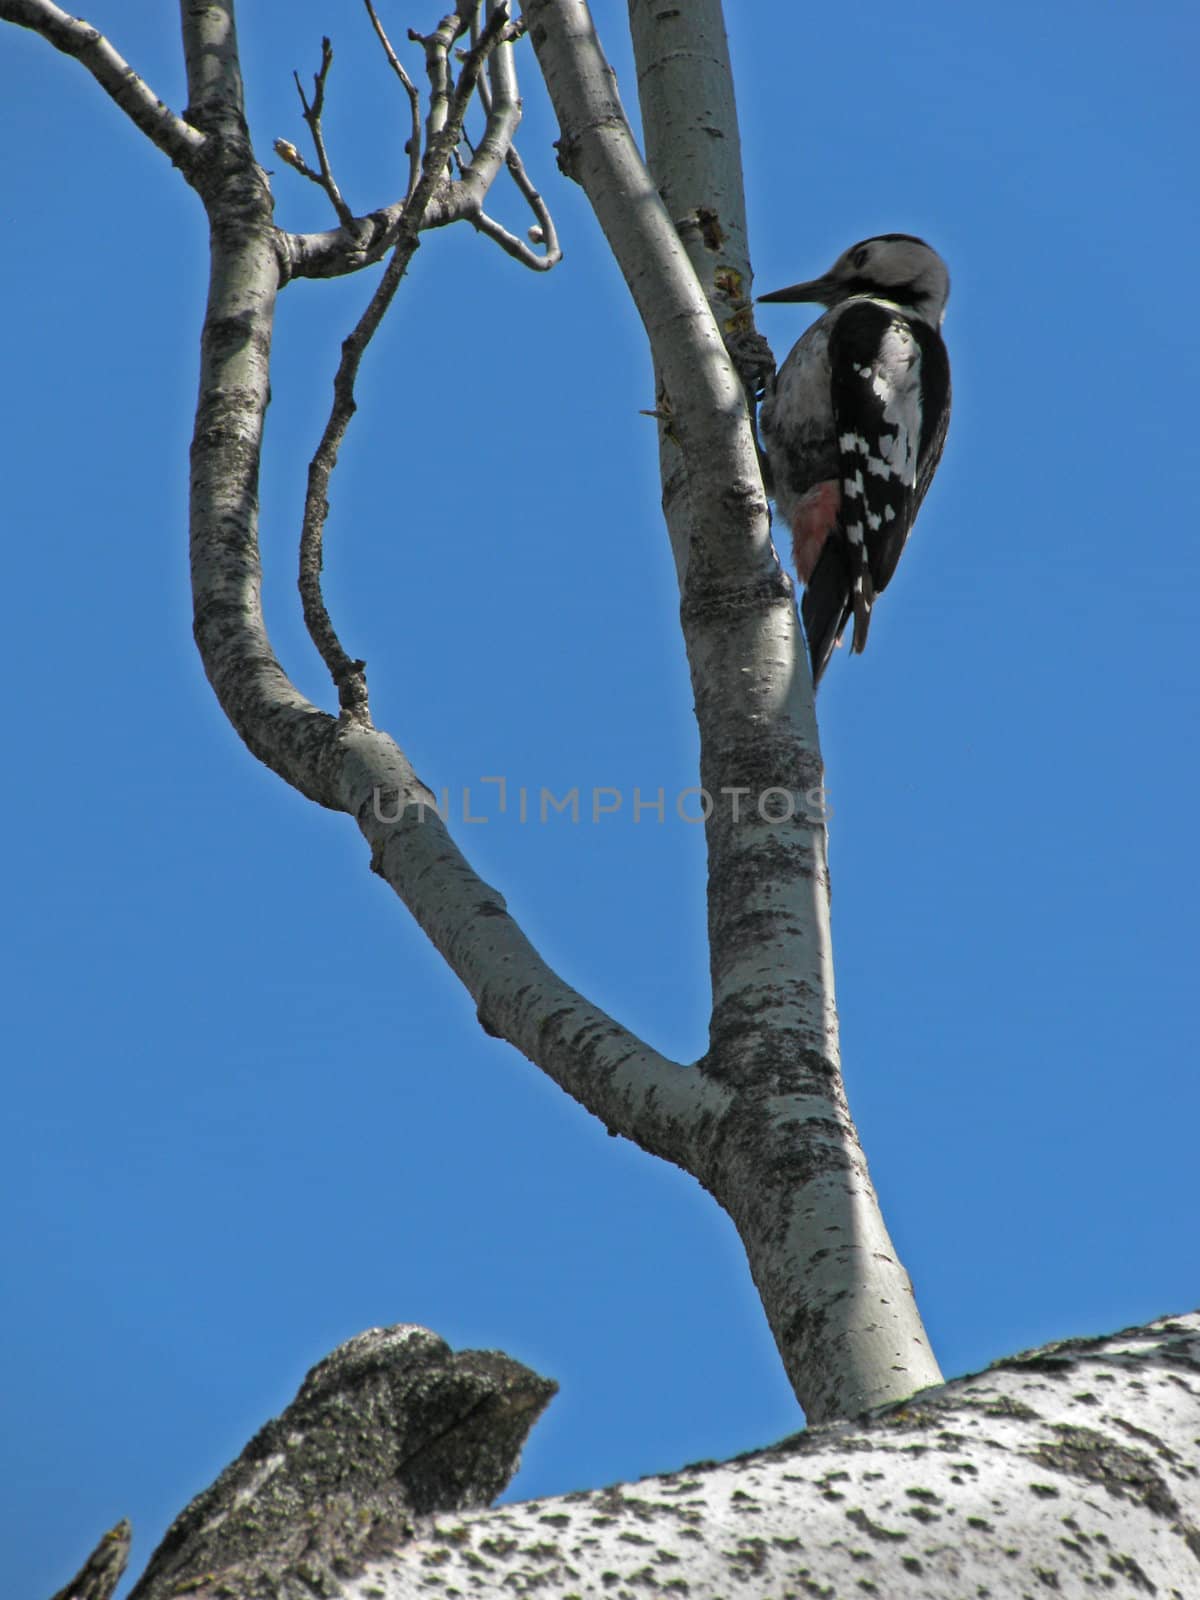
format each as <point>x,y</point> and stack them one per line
<point>826,605</point>
<point>862,594</point>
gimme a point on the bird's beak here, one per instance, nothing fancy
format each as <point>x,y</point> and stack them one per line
<point>818,291</point>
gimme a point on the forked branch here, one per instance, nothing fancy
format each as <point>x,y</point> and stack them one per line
<point>312,111</point>
<point>349,675</point>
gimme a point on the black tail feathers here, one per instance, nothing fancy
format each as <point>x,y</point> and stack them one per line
<point>826,606</point>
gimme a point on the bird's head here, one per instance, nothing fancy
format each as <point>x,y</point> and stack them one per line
<point>893,266</point>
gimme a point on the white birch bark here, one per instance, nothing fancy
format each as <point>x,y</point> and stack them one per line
<point>786,1162</point>
<point>1073,1470</point>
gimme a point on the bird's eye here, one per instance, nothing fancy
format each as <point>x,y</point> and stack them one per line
<point>858,259</point>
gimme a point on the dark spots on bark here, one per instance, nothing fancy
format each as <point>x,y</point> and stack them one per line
<point>925,1496</point>
<point>707,601</point>
<point>1082,1453</point>
<point>754,1063</point>
<point>500,1546</point>
<point>711,231</point>
<point>1127,1567</point>
<point>1052,1362</point>
<point>1158,1445</point>
<point>1004,1406</point>
<point>875,1530</point>
<point>756,759</point>
<point>488,1026</point>
<point>226,336</point>
<point>566,149</point>
<point>750,1554</point>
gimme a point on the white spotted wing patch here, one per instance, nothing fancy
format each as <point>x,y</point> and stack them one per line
<point>875,366</point>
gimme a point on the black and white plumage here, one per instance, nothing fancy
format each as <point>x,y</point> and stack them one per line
<point>853,426</point>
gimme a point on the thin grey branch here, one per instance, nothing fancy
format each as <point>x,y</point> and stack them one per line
<point>502,103</point>
<point>312,116</point>
<point>543,233</point>
<point>349,674</point>
<point>336,252</point>
<point>177,139</point>
<point>437,46</point>
<point>286,151</point>
<point>412,145</point>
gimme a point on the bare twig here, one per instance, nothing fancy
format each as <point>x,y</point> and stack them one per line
<point>543,233</point>
<point>172,135</point>
<point>502,103</point>
<point>332,254</point>
<point>286,151</point>
<point>412,146</point>
<point>348,674</point>
<point>312,115</point>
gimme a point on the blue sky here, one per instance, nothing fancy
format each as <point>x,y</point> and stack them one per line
<point>249,1113</point>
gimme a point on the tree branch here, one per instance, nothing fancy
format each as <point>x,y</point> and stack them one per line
<point>349,676</point>
<point>312,115</point>
<point>342,763</point>
<point>367,239</point>
<point>177,140</point>
<point>786,1162</point>
<point>437,46</point>
<point>412,145</point>
<point>543,232</point>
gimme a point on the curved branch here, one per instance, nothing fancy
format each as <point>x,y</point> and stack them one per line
<point>342,763</point>
<point>177,140</point>
<point>544,231</point>
<point>349,676</point>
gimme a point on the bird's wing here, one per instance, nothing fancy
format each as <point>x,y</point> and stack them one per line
<point>875,361</point>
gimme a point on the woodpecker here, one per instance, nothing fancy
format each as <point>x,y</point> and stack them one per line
<point>853,424</point>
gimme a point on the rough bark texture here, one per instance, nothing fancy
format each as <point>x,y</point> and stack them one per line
<point>1071,1470</point>
<point>390,1427</point>
<point>101,1572</point>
